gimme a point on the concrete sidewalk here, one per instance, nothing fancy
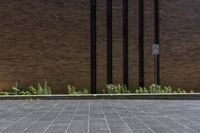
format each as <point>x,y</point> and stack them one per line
<point>99,116</point>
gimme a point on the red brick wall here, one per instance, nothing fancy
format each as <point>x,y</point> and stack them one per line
<point>50,39</point>
<point>45,39</point>
<point>180,40</point>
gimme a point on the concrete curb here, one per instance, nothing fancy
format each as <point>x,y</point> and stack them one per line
<point>189,96</point>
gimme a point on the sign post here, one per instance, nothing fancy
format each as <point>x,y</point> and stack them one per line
<point>156,46</point>
<point>155,52</point>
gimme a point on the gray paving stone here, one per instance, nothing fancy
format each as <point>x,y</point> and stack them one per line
<point>97,120</point>
<point>170,123</point>
<point>125,113</point>
<point>136,125</point>
<point>57,128</point>
<point>97,115</point>
<point>78,127</point>
<point>70,107</point>
<point>4,125</point>
<point>153,123</point>
<point>143,131</point>
<point>118,124</point>
<point>50,116</point>
<point>184,130</point>
<point>121,130</point>
<point>80,118</point>
<point>19,126</point>
<point>195,127</point>
<point>99,126</point>
<point>38,127</point>
<point>162,130</point>
<point>35,115</point>
<point>99,131</point>
<point>131,119</point>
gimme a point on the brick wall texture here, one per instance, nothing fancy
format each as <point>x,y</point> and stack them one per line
<point>50,39</point>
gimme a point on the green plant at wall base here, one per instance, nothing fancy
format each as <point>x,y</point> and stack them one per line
<point>31,90</point>
<point>116,89</point>
<point>43,90</point>
<point>192,91</point>
<point>159,89</point>
<point>141,90</point>
<point>72,90</point>
<point>15,90</point>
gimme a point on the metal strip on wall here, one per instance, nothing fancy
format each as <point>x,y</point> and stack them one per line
<point>109,41</point>
<point>125,42</point>
<point>141,43</point>
<point>93,45</point>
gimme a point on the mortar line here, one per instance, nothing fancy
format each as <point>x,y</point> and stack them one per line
<point>89,118</point>
<point>106,120</point>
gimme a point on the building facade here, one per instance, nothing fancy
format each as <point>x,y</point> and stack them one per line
<point>50,39</point>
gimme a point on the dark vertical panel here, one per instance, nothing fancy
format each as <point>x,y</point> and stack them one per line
<point>109,41</point>
<point>93,46</point>
<point>141,43</point>
<point>156,41</point>
<point>125,42</point>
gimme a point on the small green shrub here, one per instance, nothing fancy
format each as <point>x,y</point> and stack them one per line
<point>42,90</point>
<point>141,90</point>
<point>72,90</point>
<point>116,89</point>
<point>159,89</point>
<point>31,90</point>
<point>192,91</point>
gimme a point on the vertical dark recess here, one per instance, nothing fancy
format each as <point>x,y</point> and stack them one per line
<point>125,42</point>
<point>156,40</point>
<point>141,43</point>
<point>109,41</point>
<point>93,45</point>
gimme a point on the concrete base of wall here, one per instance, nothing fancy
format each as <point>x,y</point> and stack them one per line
<point>191,96</point>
